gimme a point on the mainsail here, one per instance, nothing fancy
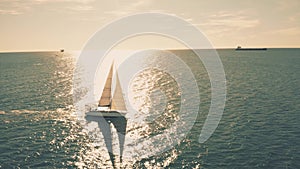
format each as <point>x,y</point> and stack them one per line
<point>105,99</point>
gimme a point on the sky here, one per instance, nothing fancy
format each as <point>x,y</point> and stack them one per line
<point>27,25</point>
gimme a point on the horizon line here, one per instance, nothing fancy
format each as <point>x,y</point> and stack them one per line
<point>217,48</point>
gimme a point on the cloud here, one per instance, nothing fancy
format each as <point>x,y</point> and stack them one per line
<point>9,12</point>
<point>228,22</point>
<point>16,7</point>
<point>291,31</point>
<point>236,21</point>
<point>285,5</point>
<point>74,1</point>
<point>127,7</point>
<point>81,8</point>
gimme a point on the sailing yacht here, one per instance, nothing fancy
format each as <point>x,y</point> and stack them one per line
<point>110,105</point>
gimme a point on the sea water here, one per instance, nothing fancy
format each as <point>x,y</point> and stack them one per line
<point>259,127</point>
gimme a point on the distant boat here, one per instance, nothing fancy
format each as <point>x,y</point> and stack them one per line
<point>62,50</point>
<point>240,48</point>
<point>110,106</point>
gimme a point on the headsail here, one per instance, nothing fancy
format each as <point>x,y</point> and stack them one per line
<point>118,102</point>
<point>105,99</point>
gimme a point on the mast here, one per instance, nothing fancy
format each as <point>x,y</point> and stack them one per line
<point>105,100</point>
<point>118,102</point>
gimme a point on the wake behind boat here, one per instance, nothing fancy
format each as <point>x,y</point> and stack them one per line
<point>110,106</point>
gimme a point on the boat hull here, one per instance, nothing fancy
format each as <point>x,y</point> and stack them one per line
<point>106,113</point>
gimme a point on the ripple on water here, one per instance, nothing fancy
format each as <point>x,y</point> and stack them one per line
<point>259,128</point>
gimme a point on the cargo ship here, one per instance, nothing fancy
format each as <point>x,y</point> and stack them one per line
<point>240,48</point>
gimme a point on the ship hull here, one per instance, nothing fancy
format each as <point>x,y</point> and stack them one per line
<point>251,49</point>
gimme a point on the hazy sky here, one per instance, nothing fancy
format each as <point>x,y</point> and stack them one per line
<point>55,24</point>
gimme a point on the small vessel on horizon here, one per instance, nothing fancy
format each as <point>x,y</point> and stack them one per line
<point>240,48</point>
<point>62,50</point>
<point>110,105</point>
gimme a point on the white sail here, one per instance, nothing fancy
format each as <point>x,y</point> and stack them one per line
<point>105,99</point>
<point>118,102</point>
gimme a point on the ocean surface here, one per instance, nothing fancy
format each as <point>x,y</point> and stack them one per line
<point>260,126</point>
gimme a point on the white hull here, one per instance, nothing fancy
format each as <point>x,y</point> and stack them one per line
<point>106,113</point>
